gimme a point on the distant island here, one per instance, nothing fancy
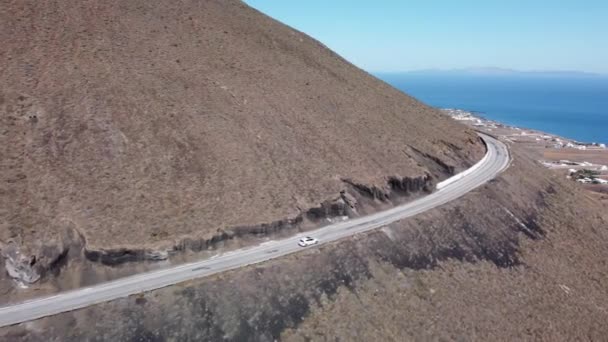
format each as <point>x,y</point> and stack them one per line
<point>497,71</point>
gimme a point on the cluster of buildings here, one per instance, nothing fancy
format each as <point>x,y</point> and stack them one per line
<point>587,176</point>
<point>588,180</point>
<point>560,143</point>
<point>578,146</point>
<point>462,115</point>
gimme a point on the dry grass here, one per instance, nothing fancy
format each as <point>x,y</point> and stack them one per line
<point>439,275</point>
<point>139,122</point>
<point>593,156</point>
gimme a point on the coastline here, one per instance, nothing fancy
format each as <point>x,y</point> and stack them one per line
<point>585,163</point>
<point>479,120</point>
<point>571,107</point>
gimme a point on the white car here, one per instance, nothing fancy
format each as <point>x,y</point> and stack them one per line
<point>307,241</point>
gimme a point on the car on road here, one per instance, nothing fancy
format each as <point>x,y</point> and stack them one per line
<point>307,241</point>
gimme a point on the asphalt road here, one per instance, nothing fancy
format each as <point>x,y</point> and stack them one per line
<point>494,162</point>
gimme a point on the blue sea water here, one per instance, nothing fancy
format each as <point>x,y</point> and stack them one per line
<point>572,106</point>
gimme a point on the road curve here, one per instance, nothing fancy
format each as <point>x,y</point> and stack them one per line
<point>494,162</point>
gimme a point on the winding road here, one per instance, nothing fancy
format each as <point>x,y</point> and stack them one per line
<point>495,161</point>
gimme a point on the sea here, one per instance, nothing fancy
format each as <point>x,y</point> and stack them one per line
<point>570,105</point>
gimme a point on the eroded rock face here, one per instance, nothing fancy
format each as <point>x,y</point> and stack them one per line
<point>27,263</point>
<point>20,267</point>
<point>395,187</point>
<point>354,199</point>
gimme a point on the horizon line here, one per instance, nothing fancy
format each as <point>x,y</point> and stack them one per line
<point>495,69</point>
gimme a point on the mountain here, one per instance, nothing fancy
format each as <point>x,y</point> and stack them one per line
<point>495,71</point>
<point>133,129</point>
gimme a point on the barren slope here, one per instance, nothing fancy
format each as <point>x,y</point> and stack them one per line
<point>131,123</point>
<point>521,258</point>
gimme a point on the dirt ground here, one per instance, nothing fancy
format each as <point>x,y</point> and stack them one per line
<point>592,156</point>
<point>135,127</point>
<point>599,192</point>
<point>521,258</point>
<point>540,146</point>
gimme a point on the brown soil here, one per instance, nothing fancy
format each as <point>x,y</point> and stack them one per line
<point>521,258</point>
<point>598,192</point>
<point>143,124</point>
<point>594,156</point>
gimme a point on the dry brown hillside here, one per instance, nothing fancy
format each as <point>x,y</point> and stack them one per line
<point>522,258</point>
<point>142,123</point>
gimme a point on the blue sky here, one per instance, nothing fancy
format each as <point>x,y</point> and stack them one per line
<point>392,35</point>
